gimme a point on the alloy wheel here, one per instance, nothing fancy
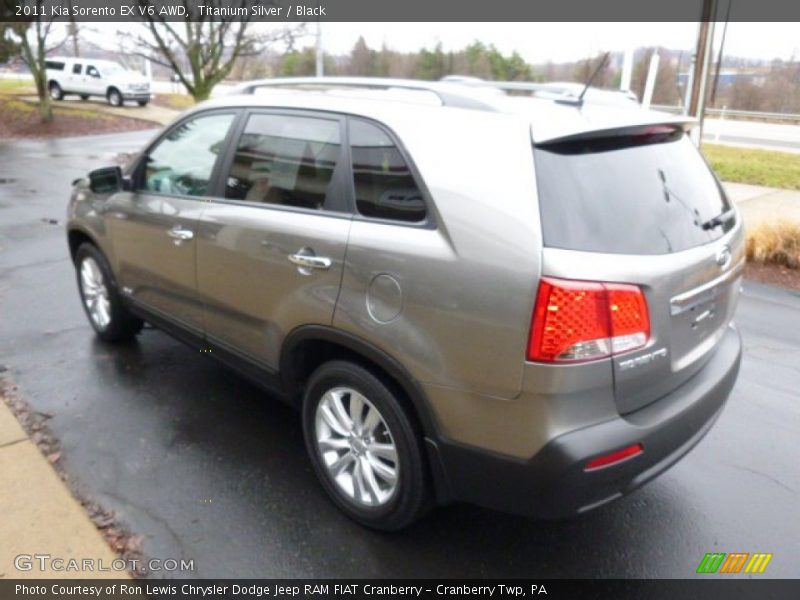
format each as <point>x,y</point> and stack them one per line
<point>95,293</point>
<point>356,447</point>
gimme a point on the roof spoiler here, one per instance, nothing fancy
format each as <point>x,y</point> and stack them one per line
<point>644,126</point>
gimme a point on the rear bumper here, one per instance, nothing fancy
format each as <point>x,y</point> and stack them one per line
<point>553,484</point>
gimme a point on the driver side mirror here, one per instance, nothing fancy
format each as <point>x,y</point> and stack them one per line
<point>108,180</point>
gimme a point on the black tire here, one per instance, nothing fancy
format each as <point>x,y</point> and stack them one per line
<point>56,93</point>
<point>411,498</point>
<point>114,97</point>
<point>122,325</point>
<point>84,96</point>
<point>141,103</point>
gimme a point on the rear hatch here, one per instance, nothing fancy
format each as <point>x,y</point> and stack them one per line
<point>640,206</point>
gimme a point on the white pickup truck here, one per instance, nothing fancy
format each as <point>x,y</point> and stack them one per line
<point>90,77</point>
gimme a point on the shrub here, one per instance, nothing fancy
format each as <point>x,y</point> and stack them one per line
<point>777,243</point>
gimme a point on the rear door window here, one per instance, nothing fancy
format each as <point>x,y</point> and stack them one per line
<point>384,185</point>
<point>648,193</point>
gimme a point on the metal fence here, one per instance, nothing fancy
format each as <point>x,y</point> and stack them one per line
<point>737,114</point>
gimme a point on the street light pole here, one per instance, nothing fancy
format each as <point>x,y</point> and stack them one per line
<point>701,67</point>
<point>719,55</point>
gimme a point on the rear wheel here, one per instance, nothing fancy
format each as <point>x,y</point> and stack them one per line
<point>366,451</point>
<point>84,96</point>
<point>56,93</point>
<point>114,97</point>
<point>141,102</point>
<point>103,305</point>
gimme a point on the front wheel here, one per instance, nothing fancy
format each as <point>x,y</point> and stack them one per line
<point>114,97</point>
<point>84,97</point>
<point>141,102</point>
<point>103,305</point>
<point>366,450</point>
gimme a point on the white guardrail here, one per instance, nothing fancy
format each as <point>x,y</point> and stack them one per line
<point>736,114</point>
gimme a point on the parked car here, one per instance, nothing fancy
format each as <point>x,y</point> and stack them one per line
<point>522,302</point>
<point>91,77</point>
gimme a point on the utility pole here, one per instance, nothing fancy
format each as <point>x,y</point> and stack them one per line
<point>687,96</point>
<point>705,38</point>
<point>650,82</point>
<point>627,70</point>
<point>320,70</point>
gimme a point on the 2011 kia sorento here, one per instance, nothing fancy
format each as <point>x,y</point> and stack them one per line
<point>520,300</point>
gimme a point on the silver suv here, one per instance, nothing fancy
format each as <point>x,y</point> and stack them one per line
<point>521,300</point>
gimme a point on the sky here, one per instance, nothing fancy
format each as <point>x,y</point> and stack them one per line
<point>542,42</point>
<point>562,42</point>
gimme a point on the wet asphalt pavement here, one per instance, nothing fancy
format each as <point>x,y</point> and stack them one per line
<point>207,467</point>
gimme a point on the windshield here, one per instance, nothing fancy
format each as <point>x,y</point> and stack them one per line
<point>647,193</point>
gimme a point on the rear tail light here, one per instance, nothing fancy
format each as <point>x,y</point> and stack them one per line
<point>583,320</point>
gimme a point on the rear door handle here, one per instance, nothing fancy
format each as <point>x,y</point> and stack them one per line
<point>179,233</point>
<point>311,262</point>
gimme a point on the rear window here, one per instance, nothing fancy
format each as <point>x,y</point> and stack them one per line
<point>54,65</point>
<point>648,193</point>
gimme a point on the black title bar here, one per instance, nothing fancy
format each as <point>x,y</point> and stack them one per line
<point>287,11</point>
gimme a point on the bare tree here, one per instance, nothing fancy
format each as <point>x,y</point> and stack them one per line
<point>202,50</point>
<point>73,30</point>
<point>35,41</point>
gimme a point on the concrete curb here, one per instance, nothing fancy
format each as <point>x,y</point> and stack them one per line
<point>39,516</point>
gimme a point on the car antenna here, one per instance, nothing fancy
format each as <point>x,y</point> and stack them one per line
<point>579,99</point>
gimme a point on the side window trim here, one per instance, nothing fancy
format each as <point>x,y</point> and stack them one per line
<point>429,222</point>
<point>337,204</point>
<point>138,169</point>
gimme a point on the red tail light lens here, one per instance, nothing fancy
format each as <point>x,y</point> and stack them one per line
<point>583,320</point>
<point>614,457</point>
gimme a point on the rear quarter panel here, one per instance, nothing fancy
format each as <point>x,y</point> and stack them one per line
<point>466,284</point>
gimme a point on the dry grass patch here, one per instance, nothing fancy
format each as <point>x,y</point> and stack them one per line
<point>16,87</point>
<point>775,243</point>
<point>174,101</point>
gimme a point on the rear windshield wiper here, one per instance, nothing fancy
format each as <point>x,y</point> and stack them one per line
<point>719,220</point>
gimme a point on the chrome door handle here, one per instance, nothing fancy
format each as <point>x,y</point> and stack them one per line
<point>180,234</point>
<point>310,262</point>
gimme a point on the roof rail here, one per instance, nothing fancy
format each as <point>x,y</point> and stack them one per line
<point>448,92</point>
